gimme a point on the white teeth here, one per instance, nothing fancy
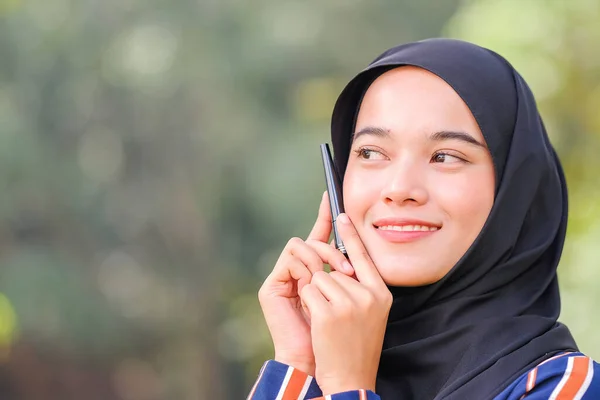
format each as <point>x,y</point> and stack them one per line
<point>408,228</point>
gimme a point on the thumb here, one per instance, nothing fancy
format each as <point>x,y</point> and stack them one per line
<point>322,227</point>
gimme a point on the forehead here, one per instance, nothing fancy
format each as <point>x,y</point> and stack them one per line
<point>411,99</point>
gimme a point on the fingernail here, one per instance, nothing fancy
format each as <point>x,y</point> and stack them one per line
<point>347,267</point>
<point>343,218</point>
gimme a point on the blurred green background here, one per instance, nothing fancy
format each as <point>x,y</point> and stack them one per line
<point>156,156</point>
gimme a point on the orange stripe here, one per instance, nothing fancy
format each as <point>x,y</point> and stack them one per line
<point>295,385</point>
<point>531,377</point>
<point>576,379</point>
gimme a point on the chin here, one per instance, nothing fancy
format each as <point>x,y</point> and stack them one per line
<point>406,271</point>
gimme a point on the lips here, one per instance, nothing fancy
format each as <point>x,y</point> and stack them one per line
<point>408,228</point>
<point>401,230</point>
<point>406,225</point>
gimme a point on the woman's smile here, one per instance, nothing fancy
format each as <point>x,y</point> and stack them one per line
<point>404,230</point>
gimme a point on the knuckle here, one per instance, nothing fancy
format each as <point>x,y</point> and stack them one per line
<point>369,300</point>
<point>381,299</point>
<point>293,242</point>
<point>262,294</point>
<point>319,276</point>
<point>388,299</point>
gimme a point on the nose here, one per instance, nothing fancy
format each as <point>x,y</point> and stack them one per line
<point>405,185</point>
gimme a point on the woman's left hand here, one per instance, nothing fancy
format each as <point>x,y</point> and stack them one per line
<point>348,318</point>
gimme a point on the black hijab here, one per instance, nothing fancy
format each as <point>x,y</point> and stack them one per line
<point>494,315</point>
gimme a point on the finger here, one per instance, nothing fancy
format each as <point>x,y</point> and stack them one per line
<point>300,249</point>
<point>300,273</point>
<point>297,257</point>
<point>330,288</point>
<point>361,295</point>
<point>349,283</point>
<point>332,256</point>
<point>365,269</point>
<point>277,283</point>
<point>313,301</point>
<point>322,227</point>
<point>346,265</point>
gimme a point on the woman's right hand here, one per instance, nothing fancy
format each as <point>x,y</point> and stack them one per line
<point>288,323</point>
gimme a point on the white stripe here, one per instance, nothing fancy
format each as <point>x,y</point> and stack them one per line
<point>260,374</point>
<point>284,385</point>
<point>305,388</point>
<point>531,379</point>
<point>328,397</point>
<point>563,381</point>
<point>586,382</point>
<point>554,358</point>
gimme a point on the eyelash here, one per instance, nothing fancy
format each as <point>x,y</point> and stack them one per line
<point>438,153</point>
<point>360,152</point>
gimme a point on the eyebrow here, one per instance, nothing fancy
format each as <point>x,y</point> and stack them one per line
<point>436,137</point>
<point>452,135</point>
<point>371,130</point>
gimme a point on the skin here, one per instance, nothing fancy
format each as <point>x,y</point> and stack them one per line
<point>409,177</point>
<point>400,167</point>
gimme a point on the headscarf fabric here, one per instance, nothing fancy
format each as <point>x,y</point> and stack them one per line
<point>494,315</point>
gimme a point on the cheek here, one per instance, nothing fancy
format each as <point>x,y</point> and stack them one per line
<point>360,191</point>
<point>466,198</point>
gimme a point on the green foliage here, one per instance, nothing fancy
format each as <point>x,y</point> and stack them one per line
<point>156,156</point>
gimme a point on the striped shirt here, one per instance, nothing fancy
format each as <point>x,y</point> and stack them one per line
<point>567,376</point>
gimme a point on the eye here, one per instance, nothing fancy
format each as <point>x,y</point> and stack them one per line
<point>369,154</point>
<point>443,157</point>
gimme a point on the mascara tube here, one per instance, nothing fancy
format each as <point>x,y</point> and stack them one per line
<point>334,191</point>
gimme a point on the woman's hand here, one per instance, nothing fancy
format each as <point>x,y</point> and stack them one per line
<point>279,295</point>
<point>348,319</point>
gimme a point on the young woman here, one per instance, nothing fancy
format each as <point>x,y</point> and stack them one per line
<point>456,212</point>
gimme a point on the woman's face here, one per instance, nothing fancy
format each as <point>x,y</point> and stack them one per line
<point>419,184</point>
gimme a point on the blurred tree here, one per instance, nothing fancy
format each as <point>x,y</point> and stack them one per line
<point>156,156</point>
